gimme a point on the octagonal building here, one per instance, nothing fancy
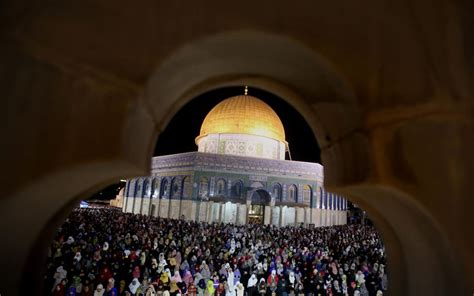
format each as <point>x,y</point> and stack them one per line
<point>239,175</point>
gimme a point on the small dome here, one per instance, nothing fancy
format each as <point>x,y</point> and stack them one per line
<point>243,115</point>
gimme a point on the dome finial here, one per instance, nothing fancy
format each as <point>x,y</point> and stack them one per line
<point>246,90</point>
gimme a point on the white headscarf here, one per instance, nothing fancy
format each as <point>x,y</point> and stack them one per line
<point>134,285</point>
<point>70,240</point>
<point>169,273</point>
<point>230,279</point>
<point>101,292</point>
<point>291,278</point>
<point>78,256</point>
<point>176,277</point>
<point>197,278</point>
<point>252,281</point>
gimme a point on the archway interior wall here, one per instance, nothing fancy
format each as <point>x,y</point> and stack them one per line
<point>411,234</point>
<point>175,82</point>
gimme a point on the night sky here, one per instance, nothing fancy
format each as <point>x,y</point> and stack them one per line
<point>179,135</point>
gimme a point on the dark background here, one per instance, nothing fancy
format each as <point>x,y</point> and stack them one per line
<point>179,135</point>
<point>184,127</point>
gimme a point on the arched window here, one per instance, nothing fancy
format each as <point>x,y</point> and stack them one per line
<point>220,187</point>
<point>237,189</point>
<point>138,188</point>
<point>175,188</point>
<point>276,191</point>
<point>203,187</point>
<point>292,193</point>
<point>164,192</point>
<point>187,187</point>
<point>146,188</point>
<point>155,188</point>
<point>307,193</point>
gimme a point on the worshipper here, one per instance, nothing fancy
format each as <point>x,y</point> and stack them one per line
<point>99,290</point>
<point>272,282</point>
<point>262,287</point>
<point>134,285</point>
<point>209,288</point>
<point>176,277</point>
<point>188,278</point>
<point>121,289</point>
<point>252,285</point>
<point>71,291</point>
<point>87,289</point>
<point>150,291</point>
<point>282,287</point>
<point>239,288</point>
<point>111,289</point>
<point>220,291</point>
<point>230,291</point>
<point>173,255</point>
<point>165,280</point>
<point>299,288</point>
<point>291,282</point>
<point>59,275</point>
<point>201,286</point>
<point>174,289</point>
<point>60,288</point>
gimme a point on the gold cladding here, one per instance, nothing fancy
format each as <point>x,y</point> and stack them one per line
<point>243,115</point>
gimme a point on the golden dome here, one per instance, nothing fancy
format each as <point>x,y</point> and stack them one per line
<point>243,115</point>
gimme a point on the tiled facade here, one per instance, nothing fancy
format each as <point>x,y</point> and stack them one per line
<point>221,188</point>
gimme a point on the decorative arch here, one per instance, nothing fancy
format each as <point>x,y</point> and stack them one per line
<point>164,188</point>
<point>146,190</point>
<point>155,186</point>
<point>187,187</point>
<point>138,188</point>
<point>220,187</point>
<point>260,196</point>
<point>276,191</point>
<point>307,193</point>
<point>292,193</point>
<point>203,187</point>
<point>256,185</point>
<point>237,188</point>
<point>384,202</point>
<point>175,190</point>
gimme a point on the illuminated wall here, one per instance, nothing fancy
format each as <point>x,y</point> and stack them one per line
<point>243,145</point>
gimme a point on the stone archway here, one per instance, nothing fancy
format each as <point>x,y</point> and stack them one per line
<point>381,159</point>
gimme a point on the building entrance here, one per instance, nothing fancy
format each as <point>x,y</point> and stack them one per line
<point>255,214</point>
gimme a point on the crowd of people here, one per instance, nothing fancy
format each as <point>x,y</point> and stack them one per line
<point>107,252</point>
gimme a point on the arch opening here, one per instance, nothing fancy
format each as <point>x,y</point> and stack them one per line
<point>343,170</point>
